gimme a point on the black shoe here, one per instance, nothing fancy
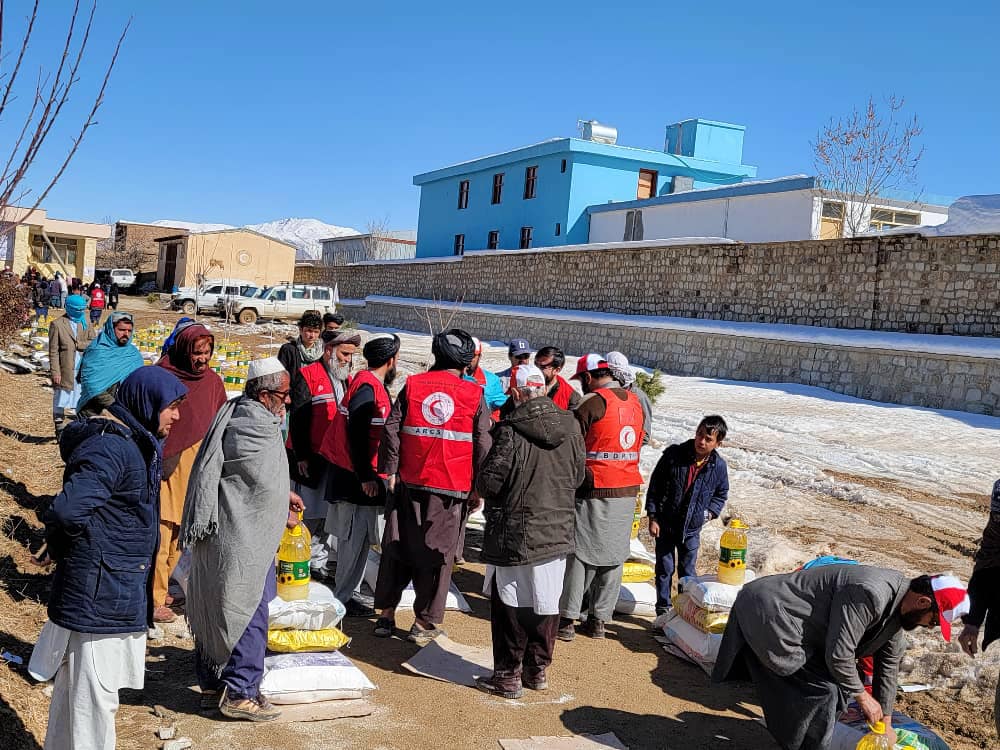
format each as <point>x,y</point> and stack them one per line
<point>567,631</point>
<point>357,609</point>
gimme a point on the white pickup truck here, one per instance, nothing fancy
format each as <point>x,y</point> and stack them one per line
<point>190,300</point>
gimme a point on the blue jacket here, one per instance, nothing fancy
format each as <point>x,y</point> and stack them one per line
<point>492,391</point>
<point>103,527</point>
<point>665,495</point>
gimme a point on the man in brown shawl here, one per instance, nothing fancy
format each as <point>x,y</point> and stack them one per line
<point>188,359</point>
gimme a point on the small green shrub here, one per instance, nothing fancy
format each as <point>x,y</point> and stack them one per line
<point>651,384</point>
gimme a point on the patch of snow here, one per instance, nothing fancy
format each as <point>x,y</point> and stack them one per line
<point>970,214</point>
<point>966,346</point>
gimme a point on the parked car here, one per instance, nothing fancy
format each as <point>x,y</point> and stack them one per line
<point>284,302</point>
<point>227,302</point>
<point>191,300</point>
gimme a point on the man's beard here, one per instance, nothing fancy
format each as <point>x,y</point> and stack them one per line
<point>339,371</point>
<point>911,620</point>
<point>390,377</point>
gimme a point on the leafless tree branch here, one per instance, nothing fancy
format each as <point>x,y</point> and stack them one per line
<point>865,154</point>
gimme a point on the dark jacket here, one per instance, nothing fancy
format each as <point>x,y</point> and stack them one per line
<point>102,529</point>
<point>529,481</point>
<point>984,586</point>
<point>665,497</point>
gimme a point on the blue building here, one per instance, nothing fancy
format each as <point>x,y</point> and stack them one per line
<point>537,196</point>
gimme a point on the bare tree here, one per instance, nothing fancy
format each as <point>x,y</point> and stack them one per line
<point>45,101</point>
<point>865,154</point>
<point>123,253</point>
<point>377,236</point>
<point>204,264</point>
<point>44,105</point>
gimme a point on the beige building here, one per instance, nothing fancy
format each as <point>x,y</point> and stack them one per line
<point>32,238</point>
<point>186,259</point>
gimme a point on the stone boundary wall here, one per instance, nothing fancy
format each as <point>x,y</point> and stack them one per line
<point>965,383</point>
<point>910,283</point>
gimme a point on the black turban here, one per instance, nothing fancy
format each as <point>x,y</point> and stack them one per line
<point>381,349</point>
<point>453,349</point>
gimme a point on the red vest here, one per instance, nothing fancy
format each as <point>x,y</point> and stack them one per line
<point>324,403</point>
<point>613,442</point>
<point>563,393</point>
<point>97,299</point>
<point>480,378</point>
<point>335,448</point>
<point>435,442</point>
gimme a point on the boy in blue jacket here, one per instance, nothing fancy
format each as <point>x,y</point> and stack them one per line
<point>689,488</point>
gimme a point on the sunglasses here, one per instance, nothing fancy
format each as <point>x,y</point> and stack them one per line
<point>282,394</point>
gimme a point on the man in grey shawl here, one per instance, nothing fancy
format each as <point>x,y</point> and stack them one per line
<point>799,635</point>
<point>237,506</point>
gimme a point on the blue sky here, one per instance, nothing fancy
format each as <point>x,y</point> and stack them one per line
<point>241,112</point>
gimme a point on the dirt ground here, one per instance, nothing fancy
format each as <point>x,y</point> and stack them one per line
<point>626,684</point>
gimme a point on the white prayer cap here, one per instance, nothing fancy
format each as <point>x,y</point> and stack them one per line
<point>260,367</point>
<point>527,376</point>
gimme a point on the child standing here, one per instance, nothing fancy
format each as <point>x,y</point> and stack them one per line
<point>689,488</point>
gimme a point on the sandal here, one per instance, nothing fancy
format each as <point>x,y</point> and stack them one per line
<point>423,636</point>
<point>384,627</point>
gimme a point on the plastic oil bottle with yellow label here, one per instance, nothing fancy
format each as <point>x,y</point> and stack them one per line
<point>294,553</point>
<point>733,554</point>
<point>876,739</point>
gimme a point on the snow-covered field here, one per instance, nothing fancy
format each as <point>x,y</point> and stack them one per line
<point>814,472</point>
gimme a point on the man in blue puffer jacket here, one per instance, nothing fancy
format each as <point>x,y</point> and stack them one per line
<point>688,488</point>
<point>102,531</point>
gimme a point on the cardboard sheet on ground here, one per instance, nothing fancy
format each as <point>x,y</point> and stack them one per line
<point>325,711</point>
<point>580,742</point>
<point>443,659</point>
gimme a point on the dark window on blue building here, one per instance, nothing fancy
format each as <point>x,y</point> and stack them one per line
<point>530,178</point>
<point>525,237</point>
<point>563,167</point>
<point>493,241</point>
<point>497,188</point>
<point>463,194</point>
<point>558,228</point>
<point>459,244</point>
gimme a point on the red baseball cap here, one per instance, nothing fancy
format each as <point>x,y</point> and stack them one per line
<point>952,601</point>
<point>589,363</point>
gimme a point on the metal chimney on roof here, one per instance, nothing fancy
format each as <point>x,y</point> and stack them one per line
<point>592,130</point>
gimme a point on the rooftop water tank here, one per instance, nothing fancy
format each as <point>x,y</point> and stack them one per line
<point>592,130</point>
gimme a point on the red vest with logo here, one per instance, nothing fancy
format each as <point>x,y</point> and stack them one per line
<point>613,442</point>
<point>324,403</point>
<point>435,442</point>
<point>563,393</point>
<point>335,447</point>
<point>97,299</point>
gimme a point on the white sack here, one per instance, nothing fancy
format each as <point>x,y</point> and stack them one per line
<point>702,648</point>
<point>319,612</point>
<point>708,593</point>
<point>637,599</point>
<point>312,677</point>
<point>454,600</point>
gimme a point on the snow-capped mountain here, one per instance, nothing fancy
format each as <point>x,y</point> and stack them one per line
<point>192,226</point>
<point>304,234</point>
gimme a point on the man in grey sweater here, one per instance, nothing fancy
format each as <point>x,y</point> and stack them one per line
<point>799,636</point>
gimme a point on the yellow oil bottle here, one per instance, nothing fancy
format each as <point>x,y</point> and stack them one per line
<point>293,563</point>
<point>733,554</point>
<point>876,739</point>
<point>637,514</point>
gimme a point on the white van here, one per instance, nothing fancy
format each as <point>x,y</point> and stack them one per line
<point>285,302</point>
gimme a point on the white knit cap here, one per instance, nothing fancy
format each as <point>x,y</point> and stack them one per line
<point>260,367</point>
